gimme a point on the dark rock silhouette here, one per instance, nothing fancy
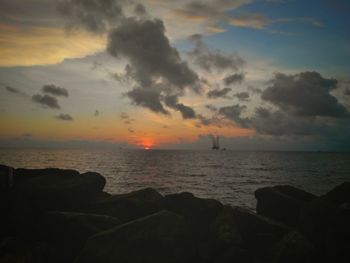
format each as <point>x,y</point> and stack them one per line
<point>128,206</point>
<point>158,238</point>
<point>282,202</point>
<point>62,216</point>
<point>65,233</point>
<point>340,194</point>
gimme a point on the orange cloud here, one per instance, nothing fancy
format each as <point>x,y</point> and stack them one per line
<point>27,46</point>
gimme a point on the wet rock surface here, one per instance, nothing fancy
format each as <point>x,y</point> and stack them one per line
<point>61,216</point>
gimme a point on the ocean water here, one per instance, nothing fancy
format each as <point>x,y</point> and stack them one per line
<point>228,176</point>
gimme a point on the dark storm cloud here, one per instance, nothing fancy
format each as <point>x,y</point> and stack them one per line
<point>55,90</point>
<point>218,93</point>
<point>254,90</point>
<point>154,64</point>
<point>46,101</point>
<point>304,94</point>
<point>243,96</point>
<point>12,90</point>
<point>233,113</point>
<point>234,78</point>
<point>140,10</point>
<point>186,111</point>
<point>64,117</point>
<point>279,123</point>
<point>147,97</point>
<point>94,15</point>
<point>151,56</point>
<point>210,60</point>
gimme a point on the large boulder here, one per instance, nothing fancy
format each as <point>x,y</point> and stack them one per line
<point>337,244</point>
<point>225,229</point>
<point>56,191</point>
<point>23,174</point>
<point>340,194</point>
<point>157,238</point>
<point>257,232</point>
<point>65,233</point>
<point>294,247</point>
<point>128,206</point>
<point>6,184</point>
<point>198,210</point>
<point>6,178</point>
<point>316,218</point>
<point>282,202</point>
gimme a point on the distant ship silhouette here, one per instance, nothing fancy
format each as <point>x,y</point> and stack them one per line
<point>216,144</point>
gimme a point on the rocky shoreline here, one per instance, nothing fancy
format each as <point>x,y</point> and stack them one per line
<point>62,216</point>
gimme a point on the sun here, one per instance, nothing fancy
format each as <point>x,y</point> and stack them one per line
<point>147,143</point>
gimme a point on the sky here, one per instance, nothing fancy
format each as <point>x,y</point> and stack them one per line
<point>163,74</point>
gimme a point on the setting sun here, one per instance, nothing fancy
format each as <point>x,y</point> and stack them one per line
<point>147,143</point>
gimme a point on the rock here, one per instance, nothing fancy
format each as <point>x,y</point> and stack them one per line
<point>129,206</point>
<point>225,228</point>
<point>157,238</point>
<point>282,203</point>
<point>340,194</point>
<point>6,184</point>
<point>13,249</point>
<point>315,219</point>
<point>6,178</point>
<point>59,191</point>
<point>337,242</point>
<point>23,174</point>
<point>257,231</point>
<point>236,254</point>
<point>66,233</point>
<point>199,210</point>
<point>294,247</point>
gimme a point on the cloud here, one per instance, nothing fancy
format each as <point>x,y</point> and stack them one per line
<point>279,123</point>
<point>186,111</point>
<point>93,15</point>
<point>243,96</point>
<point>304,94</point>
<point>213,11</point>
<point>12,90</point>
<point>151,56</point>
<point>64,117</point>
<point>252,20</point>
<point>210,60</point>
<point>55,90</point>
<point>234,78</point>
<point>147,97</point>
<point>254,90</point>
<point>126,118</point>
<point>46,101</point>
<point>233,113</point>
<point>261,21</point>
<point>15,91</point>
<point>155,66</point>
<point>218,93</point>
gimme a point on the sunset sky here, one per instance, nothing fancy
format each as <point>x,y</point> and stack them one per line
<point>261,74</point>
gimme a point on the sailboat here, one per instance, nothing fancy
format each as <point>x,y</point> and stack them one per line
<point>215,140</point>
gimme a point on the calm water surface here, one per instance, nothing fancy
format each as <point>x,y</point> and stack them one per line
<point>229,176</point>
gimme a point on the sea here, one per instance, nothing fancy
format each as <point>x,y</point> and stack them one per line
<point>228,176</point>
